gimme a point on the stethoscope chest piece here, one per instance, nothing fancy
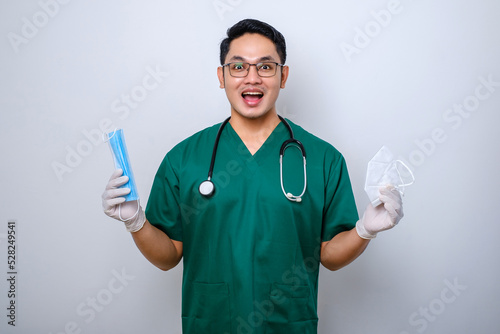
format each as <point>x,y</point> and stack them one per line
<point>207,188</point>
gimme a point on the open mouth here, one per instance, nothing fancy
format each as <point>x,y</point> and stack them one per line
<point>252,96</point>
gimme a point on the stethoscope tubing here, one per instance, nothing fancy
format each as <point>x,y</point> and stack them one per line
<point>216,144</point>
<point>207,187</point>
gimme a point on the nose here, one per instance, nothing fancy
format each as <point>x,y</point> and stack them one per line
<point>253,76</point>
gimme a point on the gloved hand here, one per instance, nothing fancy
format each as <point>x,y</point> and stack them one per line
<point>382,217</point>
<point>114,205</point>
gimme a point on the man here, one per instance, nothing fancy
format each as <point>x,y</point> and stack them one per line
<point>251,251</point>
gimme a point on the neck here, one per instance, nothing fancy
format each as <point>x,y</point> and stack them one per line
<point>254,131</point>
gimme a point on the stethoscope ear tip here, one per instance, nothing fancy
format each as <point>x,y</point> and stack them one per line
<point>294,198</point>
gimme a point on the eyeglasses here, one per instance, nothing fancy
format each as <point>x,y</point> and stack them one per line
<point>240,69</point>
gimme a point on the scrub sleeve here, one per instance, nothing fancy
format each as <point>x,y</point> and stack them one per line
<point>251,257</point>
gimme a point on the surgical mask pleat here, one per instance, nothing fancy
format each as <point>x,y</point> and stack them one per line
<point>121,159</point>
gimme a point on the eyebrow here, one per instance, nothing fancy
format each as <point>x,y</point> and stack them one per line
<point>261,59</point>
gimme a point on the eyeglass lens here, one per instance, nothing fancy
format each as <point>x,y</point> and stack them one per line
<point>242,69</point>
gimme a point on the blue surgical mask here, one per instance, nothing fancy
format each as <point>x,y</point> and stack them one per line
<point>116,141</point>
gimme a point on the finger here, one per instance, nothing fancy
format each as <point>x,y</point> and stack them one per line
<point>115,183</point>
<point>117,173</point>
<point>391,198</point>
<point>393,214</point>
<point>117,192</point>
<point>114,193</point>
<point>391,192</point>
<point>395,208</point>
<point>109,204</point>
<point>391,195</point>
<point>393,201</point>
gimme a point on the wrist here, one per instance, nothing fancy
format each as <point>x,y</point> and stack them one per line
<point>362,232</point>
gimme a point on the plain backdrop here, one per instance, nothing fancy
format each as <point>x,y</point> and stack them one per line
<point>421,77</point>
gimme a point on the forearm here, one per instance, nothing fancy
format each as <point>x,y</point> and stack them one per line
<point>157,247</point>
<point>344,248</point>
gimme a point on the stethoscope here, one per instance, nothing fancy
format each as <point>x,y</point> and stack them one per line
<point>207,187</point>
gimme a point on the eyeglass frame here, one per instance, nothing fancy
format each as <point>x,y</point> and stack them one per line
<point>248,70</point>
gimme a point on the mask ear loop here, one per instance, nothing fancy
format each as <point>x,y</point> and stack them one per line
<point>402,186</point>
<point>107,139</point>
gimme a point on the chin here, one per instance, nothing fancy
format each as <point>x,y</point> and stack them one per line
<point>253,113</point>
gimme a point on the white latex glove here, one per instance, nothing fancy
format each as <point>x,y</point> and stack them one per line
<point>114,205</point>
<point>382,217</point>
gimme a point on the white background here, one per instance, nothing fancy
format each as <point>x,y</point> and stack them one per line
<point>65,68</point>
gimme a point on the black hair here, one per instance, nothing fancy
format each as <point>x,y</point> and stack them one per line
<point>255,27</point>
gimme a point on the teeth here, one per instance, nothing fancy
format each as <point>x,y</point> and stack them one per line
<point>252,93</point>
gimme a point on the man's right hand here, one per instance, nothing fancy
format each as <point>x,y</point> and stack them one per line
<point>114,205</point>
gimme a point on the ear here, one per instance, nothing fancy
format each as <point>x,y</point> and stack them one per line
<point>284,76</point>
<point>220,75</point>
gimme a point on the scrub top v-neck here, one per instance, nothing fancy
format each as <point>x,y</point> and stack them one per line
<point>252,161</point>
<point>251,256</point>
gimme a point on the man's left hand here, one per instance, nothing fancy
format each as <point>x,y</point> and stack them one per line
<point>382,217</point>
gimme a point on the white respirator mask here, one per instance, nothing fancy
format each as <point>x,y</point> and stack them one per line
<point>383,170</point>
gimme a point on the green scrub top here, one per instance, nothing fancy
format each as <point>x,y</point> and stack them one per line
<point>251,257</point>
